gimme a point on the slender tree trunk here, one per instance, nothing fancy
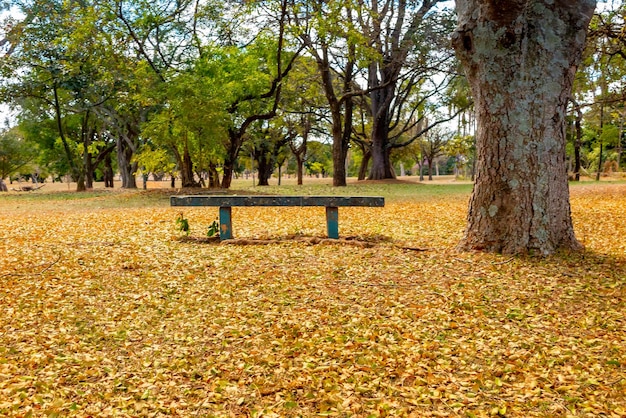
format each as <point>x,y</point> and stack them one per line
<point>520,57</point>
<point>578,139</point>
<point>77,172</point>
<point>430,170</point>
<point>367,156</point>
<point>186,171</point>
<point>232,152</point>
<point>300,169</point>
<point>340,109</point>
<point>89,171</point>
<point>340,152</point>
<point>601,144</point>
<point>87,135</point>
<point>300,150</point>
<point>108,171</point>
<point>619,139</point>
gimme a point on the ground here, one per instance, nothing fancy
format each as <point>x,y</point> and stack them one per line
<point>106,310</point>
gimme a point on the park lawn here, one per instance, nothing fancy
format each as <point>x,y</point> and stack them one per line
<point>105,310</point>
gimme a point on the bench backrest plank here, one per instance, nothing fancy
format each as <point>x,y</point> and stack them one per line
<point>261,200</point>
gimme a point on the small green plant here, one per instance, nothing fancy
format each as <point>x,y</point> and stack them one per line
<point>182,224</point>
<point>214,229</point>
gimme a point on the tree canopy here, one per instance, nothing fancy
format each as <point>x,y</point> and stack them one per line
<point>111,79</point>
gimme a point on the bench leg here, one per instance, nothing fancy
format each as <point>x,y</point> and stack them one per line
<point>226,230</point>
<point>332,222</point>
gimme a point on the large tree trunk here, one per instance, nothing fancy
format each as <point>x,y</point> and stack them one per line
<point>265,165</point>
<point>381,155</point>
<point>520,57</point>
<point>214,176</point>
<point>125,165</point>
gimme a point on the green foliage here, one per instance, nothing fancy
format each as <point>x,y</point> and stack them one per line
<point>151,160</point>
<point>319,158</point>
<point>610,135</point>
<point>213,230</point>
<point>15,153</point>
<point>182,224</point>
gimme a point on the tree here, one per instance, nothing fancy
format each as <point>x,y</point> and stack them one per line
<point>462,149</point>
<point>299,148</point>
<point>15,153</point>
<point>256,98</point>
<point>302,112</point>
<point>265,146</point>
<point>412,64</point>
<point>602,77</point>
<point>432,144</point>
<point>319,159</point>
<point>329,34</point>
<point>154,161</point>
<point>520,57</point>
<point>59,68</point>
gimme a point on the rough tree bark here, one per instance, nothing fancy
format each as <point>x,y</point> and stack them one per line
<point>127,168</point>
<point>108,171</point>
<point>185,166</point>
<point>367,156</point>
<point>393,30</point>
<point>520,57</point>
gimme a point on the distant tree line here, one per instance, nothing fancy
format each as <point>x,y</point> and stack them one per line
<point>207,91</point>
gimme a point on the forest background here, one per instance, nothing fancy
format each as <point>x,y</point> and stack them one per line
<point>205,92</point>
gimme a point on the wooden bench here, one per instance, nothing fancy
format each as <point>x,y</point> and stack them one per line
<point>226,202</point>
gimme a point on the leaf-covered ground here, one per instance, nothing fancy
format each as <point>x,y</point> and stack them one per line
<point>104,311</point>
